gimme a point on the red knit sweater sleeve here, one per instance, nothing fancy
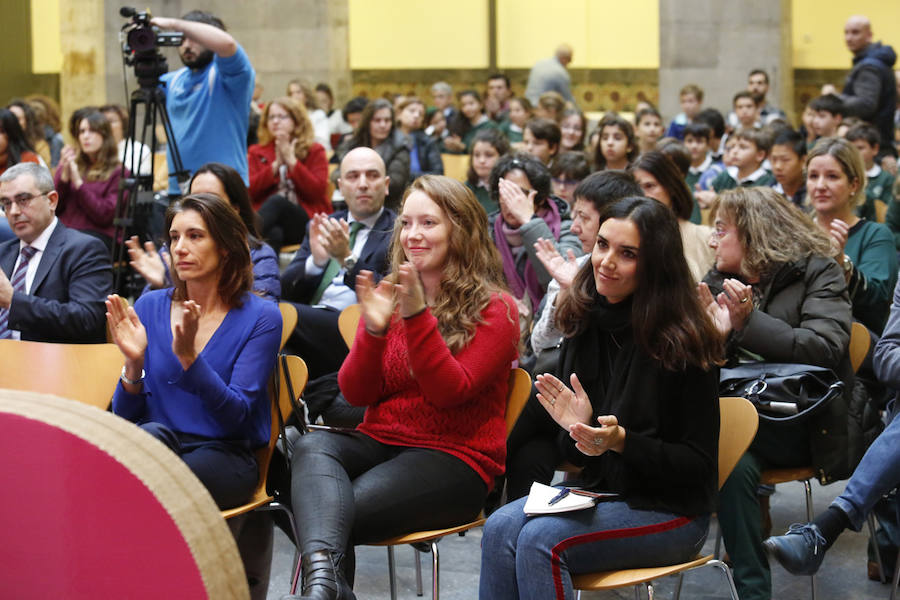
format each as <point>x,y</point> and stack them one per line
<point>365,357</point>
<point>310,177</point>
<point>447,380</point>
<point>262,180</point>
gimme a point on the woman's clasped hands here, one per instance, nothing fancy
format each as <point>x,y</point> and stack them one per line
<point>571,409</point>
<point>731,309</point>
<point>377,301</point>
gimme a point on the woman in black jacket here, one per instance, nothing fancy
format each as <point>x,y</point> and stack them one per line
<point>777,296</point>
<point>641,416</point>
<point>424,153</point>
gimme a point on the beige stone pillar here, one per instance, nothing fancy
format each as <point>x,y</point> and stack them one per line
<point>716,43</point>
<point>84,56</point>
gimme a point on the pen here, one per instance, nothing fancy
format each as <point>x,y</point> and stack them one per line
<point>562,494</point>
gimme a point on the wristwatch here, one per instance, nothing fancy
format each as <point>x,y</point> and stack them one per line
<point>125,379</point>
<point>349,263</point>
<point>847,264</point>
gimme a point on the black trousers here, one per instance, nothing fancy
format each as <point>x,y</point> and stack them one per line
<point>228,469</point>
<point>283,222</point>
<point>532,450</point>
<point>317,340</point>
<point>347,488</point>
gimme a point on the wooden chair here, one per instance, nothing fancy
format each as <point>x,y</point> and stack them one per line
<point>456,166</point>
<point>280,403</point>
<point>348,323</point>
<point>87,373</point>
<point>881,209</point>
<point>737,429</point>
<point>517,396</point>
<point>288,321</point>
<point>858,348</point>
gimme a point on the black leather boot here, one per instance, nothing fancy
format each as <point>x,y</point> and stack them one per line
<point>321,579</point>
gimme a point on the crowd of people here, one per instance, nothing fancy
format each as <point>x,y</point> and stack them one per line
<point>620,263</point>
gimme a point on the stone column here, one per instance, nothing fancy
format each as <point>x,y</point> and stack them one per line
<point>84,56</point>
<point>716,43</point>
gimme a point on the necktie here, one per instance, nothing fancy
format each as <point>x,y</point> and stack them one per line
<point>18,284</point>
<point>333,266</point>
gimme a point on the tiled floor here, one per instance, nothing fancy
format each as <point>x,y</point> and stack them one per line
<point>842,577</point>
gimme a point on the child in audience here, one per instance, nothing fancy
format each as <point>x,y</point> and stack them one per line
<point>829,112</point>
<point>568,170</point>
<point>541,139</point>
<point>879,183</point>
<point>788,156</point>
<point>696,141</point>
<point>716,121</point>
<point>691,98</point>
<point>572,127</point>
<point>806,127</point>
<point>487,148</point>
<point>746,108</point>
<point>550,106</point>
<point>616,148</point>
<point>514,126</point>
<point>470,119</point>
<point>647,129</point>
<point>750,150</point>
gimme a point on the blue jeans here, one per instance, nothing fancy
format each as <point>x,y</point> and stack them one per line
<point>532,557</point>
<point>877,473</point>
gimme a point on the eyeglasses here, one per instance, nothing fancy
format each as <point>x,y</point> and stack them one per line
<point>720,233</point>
<point>272,117</point>
<point>22,201</point>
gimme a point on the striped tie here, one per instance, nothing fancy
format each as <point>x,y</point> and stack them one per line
<point>18,284</point>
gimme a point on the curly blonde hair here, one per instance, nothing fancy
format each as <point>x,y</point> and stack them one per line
<point>303,134</point>
<point>472,273</point>
<point>771,229</point>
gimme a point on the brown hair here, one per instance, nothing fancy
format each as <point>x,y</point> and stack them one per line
<point>472,271</point>
<point>230,236</point>
<point>667,318</point>
<point>303,135</point>
<point>108,156</point>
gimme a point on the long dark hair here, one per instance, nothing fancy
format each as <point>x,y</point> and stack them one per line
<point>362,137</point>
<point>668,320</point>
<point>238,197</point>
<point>108,156</point>
<point>230,235</point>
<point>538,176</point>
<point>669,177</point>
<point>614,120</point>
<point>16,143</point>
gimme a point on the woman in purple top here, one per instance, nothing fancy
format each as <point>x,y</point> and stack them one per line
<point>87,179</point>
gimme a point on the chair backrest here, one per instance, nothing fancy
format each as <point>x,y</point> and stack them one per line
<point>288,321</point>
<point>859,344</point>
<point>881,209</point>
<point>456,166</point>
<point>738,421</point>
<point>517,396</point>
<point>348,322</point>
<point>298,374</point>
<point>87,373</point>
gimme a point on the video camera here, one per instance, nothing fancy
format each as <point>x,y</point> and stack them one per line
<point>140,45</point>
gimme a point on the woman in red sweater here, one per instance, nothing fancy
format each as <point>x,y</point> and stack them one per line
<point>288,173</point>
<point>430,362</point>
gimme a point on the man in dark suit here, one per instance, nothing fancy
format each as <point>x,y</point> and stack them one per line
<point>321,280</point>
<point>53,280</point>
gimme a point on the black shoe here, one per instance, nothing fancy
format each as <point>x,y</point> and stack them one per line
<point>800,551</point>
<point>321,580</point>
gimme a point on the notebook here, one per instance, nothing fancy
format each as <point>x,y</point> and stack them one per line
<point>539,497</point>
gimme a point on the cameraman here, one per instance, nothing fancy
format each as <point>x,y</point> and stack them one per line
<point>208,99</point>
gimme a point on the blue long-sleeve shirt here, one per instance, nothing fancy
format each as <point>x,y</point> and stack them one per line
<point>223,395</point>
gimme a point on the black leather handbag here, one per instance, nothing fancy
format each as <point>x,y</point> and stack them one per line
<point>782,392</point>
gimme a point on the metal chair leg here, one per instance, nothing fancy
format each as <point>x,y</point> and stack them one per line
<point>390,551</point>
<point>727,572</point>
<point>435,575</point>
<point>677,594</point>
<point>419,591</point>
<point>637,591</point>
<point>809,517</point>
<point>896,579</point>
<point>870,521</point>
<point>649,585</point>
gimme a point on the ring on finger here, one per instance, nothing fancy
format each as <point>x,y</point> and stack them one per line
<point>744,299</point>
<point>598,441</point>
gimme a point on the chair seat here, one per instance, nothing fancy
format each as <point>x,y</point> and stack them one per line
<point>773,476</point>
<point>259,499</point>
<point>608,580</point>
<point>427,536</point>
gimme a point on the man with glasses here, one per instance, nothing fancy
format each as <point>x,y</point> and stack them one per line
<point>53,280</point>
